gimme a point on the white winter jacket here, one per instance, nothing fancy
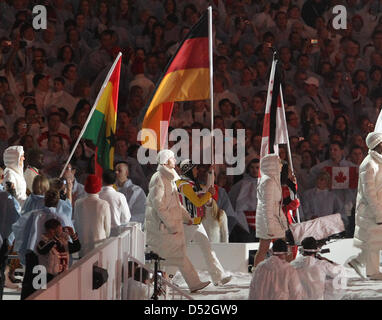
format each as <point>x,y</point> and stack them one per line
<point>165,216</point>
<point>313,274</point>
<point>270,219</point>
<point>367,233</point>
<point>275,279</point>
<point>14,173</point>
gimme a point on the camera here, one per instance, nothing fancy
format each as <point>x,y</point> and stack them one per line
<point>152,256</point>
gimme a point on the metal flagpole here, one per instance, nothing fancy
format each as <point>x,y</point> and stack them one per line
<point>92,111</point>
<point>210,53</point>
<point>288,144</point>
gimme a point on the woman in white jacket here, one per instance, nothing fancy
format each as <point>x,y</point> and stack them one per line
<point>271,222</point>
<point>368,212</point>
<point>165,216</point>
<point>14,172</point>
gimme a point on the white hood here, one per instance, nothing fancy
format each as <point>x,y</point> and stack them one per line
<point>270,165</point>
<point>12,157</point>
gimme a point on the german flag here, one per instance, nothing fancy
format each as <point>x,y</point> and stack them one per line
<point>185,78</point>
<point>102,125</point>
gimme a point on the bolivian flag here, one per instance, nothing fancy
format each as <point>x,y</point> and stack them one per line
<point>185,78</point>
<point>102,125</point>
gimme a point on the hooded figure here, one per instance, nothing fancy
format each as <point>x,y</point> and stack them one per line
<point>165,216</point>
<point>271,222</point>
<point>14,171</point>
<point>368,212</point>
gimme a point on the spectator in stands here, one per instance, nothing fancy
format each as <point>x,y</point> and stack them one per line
<point>321,201</point>
<point>134,194</point>
<point>275,278</point>
<point>53,155</point>
<point>119,209</point>
<point>20,129</point>
<point>11,111</point>
<point>244,201</point>
<point>54,247</point>
<point>55,127</point>
<point>320,101</point>
<point>356,155</point>
<point>92,216</point>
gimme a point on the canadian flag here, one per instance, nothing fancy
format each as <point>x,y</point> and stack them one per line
<point>343,177</point>
<point>275,130</point>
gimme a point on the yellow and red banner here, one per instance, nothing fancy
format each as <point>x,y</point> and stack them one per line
<point>186,78</point>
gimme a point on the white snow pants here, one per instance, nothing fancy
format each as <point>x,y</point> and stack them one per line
<point>198,234</point>
<point>370,258</point>
<point>187,271</point>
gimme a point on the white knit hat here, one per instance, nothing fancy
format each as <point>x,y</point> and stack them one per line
<point>164,155</point>
<point>373,139</point>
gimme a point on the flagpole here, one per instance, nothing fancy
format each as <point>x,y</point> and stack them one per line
<point>210,54</point>
<point>92,111</point>
<point>288,144</point>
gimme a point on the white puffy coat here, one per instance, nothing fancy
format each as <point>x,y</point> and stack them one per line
<point>313,274</point>
<point>367,234</point>
<point>275,279</point>
<point>14,172</point>
<point>270,219</point>
<point>165,216</point>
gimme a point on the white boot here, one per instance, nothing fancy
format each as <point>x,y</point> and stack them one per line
<point>376,277</point>
<point>357,266</point>
<point>200,286</point>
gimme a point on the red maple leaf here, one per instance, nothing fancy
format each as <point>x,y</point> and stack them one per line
<point>340,178</point>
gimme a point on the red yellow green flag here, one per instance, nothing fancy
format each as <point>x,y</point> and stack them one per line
<point>186,78</point>
<point>102,125</point>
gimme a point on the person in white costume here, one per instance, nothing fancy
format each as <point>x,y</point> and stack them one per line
<point>92,216</point>
<point>120,212</point>
<point>14,172</point>
<point>316,273</point>
<point>275,279</point>
<point>164,220</point>
<point>368,212</point>
<point>271,222</point>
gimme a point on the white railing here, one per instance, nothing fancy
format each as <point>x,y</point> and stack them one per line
<point>113,255</point>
